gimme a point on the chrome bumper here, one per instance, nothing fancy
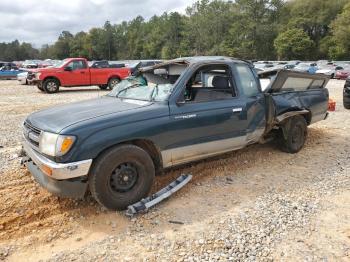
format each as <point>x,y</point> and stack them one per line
<point>59,171</point>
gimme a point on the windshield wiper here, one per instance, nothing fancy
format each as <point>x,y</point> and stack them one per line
<point>127,88</point>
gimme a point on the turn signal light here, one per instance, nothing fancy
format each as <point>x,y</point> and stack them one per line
<point>66,145</point>
<point>46,170</point>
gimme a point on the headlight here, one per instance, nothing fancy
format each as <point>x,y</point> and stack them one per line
<point>55,145</point>
<point>37,75</point>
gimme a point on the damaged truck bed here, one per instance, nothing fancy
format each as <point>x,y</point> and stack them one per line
<point>169,114</point>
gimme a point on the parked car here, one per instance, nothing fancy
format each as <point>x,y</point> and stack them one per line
<point>329,70</point>
<point>343,74</point>
<point>9,71</point>
<point>289,66</point>
<point>170,114</point>
<point>346,94</point>
<point>75,72</point>
<point>22,78</point>
<point>30,64</point>
<point>310,68</point>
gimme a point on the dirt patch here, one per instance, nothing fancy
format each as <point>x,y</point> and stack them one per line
<point>223,189</point>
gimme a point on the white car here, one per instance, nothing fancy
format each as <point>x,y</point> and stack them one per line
<point>22,78</point>
<point>329,71</point>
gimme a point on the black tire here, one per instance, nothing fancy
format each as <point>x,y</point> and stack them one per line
<point>109,177</point>
<point>113,82</point>
<point>51,86</point>
<point>40,87</point>
<point>332,76</point>
<point>103,87</point>
<point>295,137</point>
<point>346,105</point>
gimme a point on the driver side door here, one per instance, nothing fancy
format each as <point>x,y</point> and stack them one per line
<point>210,118</point>
<point>79,74</point>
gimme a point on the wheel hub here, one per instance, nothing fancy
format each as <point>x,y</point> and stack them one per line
<point>124,177</point>
<point>51,86</point>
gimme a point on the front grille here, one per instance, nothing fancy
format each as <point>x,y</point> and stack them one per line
<point>31,134</point>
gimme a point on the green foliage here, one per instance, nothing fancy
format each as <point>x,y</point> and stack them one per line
<point>341,35</point>
<point>314,17</point>
<point>15,51</point>
<point>249,29</point>
<point>293,44</point>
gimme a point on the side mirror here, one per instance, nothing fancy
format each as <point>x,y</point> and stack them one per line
<point>68,68</point>
<point>160,71</point>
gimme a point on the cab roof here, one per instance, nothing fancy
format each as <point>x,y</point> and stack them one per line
<point>194,60</point>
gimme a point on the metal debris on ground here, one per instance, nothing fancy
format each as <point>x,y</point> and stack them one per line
<point>146,203</point>
<point>176,222</point>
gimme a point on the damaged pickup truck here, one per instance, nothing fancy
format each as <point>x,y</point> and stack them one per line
<point>172,113</point>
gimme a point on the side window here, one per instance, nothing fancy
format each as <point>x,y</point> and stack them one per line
<point>78,64</point>
<point>209,83</point>
<point>247,80</point>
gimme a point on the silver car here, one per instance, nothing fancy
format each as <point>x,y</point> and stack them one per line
<point>22,78</point>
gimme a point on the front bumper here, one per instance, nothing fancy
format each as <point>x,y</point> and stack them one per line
<point>67,180</point>
<point>73,188</point>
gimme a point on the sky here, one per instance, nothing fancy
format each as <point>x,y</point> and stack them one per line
<point>40,22</point>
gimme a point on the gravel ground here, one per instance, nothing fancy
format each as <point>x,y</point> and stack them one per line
<point>256,204</point>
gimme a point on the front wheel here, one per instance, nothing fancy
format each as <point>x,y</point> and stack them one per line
<point>121,176</point>
<point>294,136</point>
<point>51,86</point>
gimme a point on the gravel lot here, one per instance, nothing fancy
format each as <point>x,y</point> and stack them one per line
<point>256,204</point>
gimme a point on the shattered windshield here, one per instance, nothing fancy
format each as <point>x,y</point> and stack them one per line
<point>139,89</point>
<point>153,84</point>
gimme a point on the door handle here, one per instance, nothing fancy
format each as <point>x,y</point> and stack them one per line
<point>237,110</point>
<point>82,72</point>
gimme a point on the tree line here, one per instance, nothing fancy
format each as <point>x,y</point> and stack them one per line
<point>247,29</point>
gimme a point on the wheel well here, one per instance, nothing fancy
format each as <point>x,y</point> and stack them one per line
<point>52,77</point>
<point>114,76</point>
<point>307,118</point>
<point>150,148</point>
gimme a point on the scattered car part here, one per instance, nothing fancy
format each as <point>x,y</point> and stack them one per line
<point>176,222</point>
<point>147,203</point>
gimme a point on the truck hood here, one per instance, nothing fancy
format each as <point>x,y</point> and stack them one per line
<point>47,70</point>
<point>55,119</point>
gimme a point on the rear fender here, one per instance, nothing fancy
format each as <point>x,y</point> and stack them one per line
<point>284,121</point>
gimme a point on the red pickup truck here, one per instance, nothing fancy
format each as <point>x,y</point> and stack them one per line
<point>76,72</point>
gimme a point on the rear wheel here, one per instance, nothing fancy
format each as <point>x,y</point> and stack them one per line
<point>51,86</point>
<point>40,87</point>
<point>121,176</point>
<point>294,136</point>
<point>113,82</point>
